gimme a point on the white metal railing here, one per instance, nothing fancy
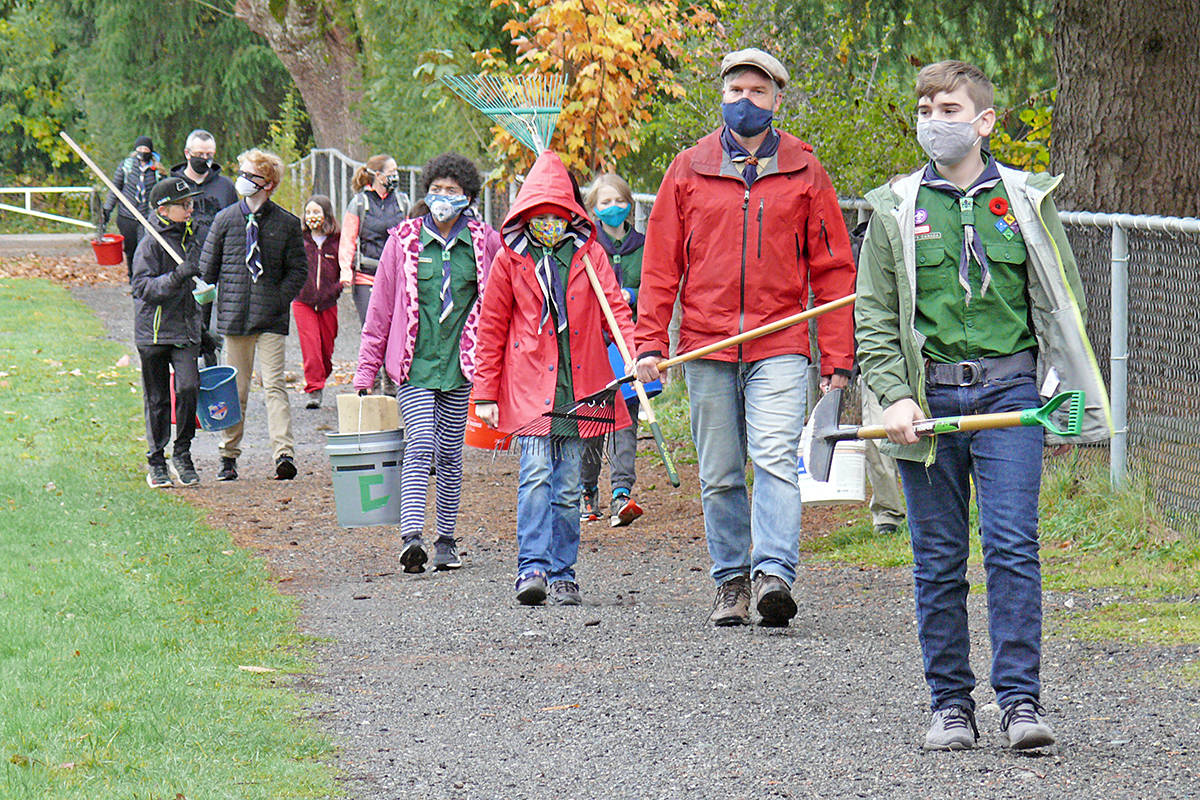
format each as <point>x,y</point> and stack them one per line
<point>29,210</point>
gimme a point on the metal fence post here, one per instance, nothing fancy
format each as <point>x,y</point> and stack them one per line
<point>1119,356</point>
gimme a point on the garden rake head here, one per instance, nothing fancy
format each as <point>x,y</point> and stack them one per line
<point>594,417</point>
<point>527,106</point>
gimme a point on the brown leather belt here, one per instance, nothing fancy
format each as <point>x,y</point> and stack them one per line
<point>980,370</point>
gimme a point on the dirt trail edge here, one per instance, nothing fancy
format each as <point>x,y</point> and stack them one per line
<point>439,686</point>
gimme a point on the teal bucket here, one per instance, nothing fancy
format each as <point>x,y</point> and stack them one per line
<point>366,476</point>
<point>217,403</point>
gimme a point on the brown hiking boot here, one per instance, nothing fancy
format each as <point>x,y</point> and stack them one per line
<point>773,601</point>
<point>732,603</point>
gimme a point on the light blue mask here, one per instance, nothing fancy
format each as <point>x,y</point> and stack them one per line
<point>613,216</point>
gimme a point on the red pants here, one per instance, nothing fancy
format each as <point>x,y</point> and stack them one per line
<point>317,330</point>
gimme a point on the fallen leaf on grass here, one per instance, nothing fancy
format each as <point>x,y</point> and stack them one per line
<point>258,670</point>
<point>559,708</point>
<point>123,361</point>
<point>67,765</point>
<point>19,760</point>
<point>226,552</point>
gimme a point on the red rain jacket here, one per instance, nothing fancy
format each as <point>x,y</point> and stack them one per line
<point>741,258</point>
<point>517,367</point>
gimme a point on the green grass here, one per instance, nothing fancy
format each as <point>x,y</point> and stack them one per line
<point>125,617</point>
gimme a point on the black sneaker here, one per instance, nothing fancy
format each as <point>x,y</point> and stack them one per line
<point>158,477</point>
<point>183,470</point>
<point>413,556</point>
<point>314,399</point>
<point>285,468</point>
<point>445,554</point>
<point>587,504</point>
<point>565,593</point>
<point>228,471</point>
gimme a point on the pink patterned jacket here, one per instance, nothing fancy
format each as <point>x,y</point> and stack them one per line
<point>389,335</point>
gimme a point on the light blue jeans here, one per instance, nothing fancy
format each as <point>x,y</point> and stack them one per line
<point>548,507</point>
<point>749,411</point>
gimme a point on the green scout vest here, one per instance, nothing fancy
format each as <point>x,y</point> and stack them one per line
<point>997,324</point>
<point>436,363</point>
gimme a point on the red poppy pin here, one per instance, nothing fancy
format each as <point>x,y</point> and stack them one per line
<point>998,206</point>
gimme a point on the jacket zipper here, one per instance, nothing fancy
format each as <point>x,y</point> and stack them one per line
<point>742,286</point>
<point>157,321</point>
<point>760,216</point>
<point>825,236</point>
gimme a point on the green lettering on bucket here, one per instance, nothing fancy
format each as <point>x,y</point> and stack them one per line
<point>369,503</point>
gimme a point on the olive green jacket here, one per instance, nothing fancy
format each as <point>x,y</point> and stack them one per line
<point>889,345</point>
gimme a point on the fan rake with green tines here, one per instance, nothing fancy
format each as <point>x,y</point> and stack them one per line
<point>527,106</point>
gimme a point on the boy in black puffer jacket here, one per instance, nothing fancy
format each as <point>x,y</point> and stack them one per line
<point>166,330</point>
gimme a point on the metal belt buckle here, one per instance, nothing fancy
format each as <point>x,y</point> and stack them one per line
<point>972,371</point>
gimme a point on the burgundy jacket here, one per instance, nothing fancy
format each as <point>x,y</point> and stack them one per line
<point>322,288</point>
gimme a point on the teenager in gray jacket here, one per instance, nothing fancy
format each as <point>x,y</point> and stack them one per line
<point>166,330</point>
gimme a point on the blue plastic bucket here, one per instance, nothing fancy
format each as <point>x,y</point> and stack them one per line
<point>217,404</point>
<point>618,367</point>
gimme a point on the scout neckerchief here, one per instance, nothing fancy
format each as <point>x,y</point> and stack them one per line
<point>253,257</point>
<point>446,243</point>
<point>554,296</point>
<point>972,247</point>
<point>740,155</point>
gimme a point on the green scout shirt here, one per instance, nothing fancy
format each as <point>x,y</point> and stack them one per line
<point>564,387</point>
<point>995,325</point>
<point>436,363</point>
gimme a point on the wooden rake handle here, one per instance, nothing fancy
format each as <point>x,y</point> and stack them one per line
<point>754,333</point>
<point>643,398</point>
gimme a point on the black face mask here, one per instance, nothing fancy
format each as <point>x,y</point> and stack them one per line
<point>144,156</point>
<point>200,163</point>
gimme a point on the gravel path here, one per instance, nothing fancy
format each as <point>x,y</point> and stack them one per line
<point>440,686</point>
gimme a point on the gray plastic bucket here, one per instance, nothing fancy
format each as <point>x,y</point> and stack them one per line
<point>366,476</point>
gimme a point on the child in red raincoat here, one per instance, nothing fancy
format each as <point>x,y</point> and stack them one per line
<point>541,347</point>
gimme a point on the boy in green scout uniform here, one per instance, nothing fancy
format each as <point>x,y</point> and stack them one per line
<point>969,302</point>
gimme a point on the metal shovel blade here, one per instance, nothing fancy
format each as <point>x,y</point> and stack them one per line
<point>825,434</point>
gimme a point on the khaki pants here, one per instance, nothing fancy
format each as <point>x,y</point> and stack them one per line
<point>887,504</point>
<point>240,351</point>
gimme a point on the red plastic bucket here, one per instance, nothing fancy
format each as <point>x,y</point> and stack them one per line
<point>109,249</point>
<point>480,435</point>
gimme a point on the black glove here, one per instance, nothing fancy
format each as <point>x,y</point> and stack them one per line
<point>106,215</point>
<point>209,344</point>
<point>188,269</point>
<point>362,392</point>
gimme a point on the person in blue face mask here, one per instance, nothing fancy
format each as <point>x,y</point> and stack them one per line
<point>745,227</point>
<point>611,203</point>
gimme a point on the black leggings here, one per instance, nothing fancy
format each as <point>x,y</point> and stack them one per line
<point>132,230</point>
<point>157,361</point>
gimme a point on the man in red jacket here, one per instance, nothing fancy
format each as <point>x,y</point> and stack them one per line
<point>744,226</point>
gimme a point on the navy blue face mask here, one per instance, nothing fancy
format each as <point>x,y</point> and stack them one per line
<point>746,119</point>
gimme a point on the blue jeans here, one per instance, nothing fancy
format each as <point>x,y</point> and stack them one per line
<point>749,410</point>
<point>1006,466</point>
<point>548,507</point>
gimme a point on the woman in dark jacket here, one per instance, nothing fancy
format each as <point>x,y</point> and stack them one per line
<point>166,330</point>
<point>135,177</point>
<point>315,308</point>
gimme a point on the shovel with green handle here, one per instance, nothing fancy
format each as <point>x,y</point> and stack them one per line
<point>826,432</point>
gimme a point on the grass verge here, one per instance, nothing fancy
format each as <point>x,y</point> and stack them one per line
<point>127,622</point>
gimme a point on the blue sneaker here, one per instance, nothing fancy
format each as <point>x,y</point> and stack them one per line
<point>531,589</point>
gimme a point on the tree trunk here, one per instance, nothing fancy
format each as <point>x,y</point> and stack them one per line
<point>1127,119</point>
<point>323,58</point>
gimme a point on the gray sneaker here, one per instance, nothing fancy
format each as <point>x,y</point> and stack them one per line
<point>158,477</point>
<point>1026,729</point>
<point>773,601</point>
<point>531,589</point>
<point>953,728</point>
<point>731,606</point>
<point>183,470</point>
<point>445,553</point>
<point>413,556</point>
<point>565,593</point>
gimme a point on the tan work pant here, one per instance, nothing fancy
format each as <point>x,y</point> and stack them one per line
<point>240,352</point>
<point>887,504</point>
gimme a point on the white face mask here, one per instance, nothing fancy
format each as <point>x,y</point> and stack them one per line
<point>946,142</point>
<point>245,187</point>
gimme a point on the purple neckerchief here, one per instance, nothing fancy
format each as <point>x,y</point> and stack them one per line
<point>972,247</point>
<point>632,241</point>
<point>738,154</point>
<point>253,257</point>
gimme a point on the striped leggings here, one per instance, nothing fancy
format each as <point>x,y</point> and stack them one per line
<point>434,425</point>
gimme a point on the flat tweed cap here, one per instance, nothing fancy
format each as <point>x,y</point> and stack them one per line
<point>753,57</point>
